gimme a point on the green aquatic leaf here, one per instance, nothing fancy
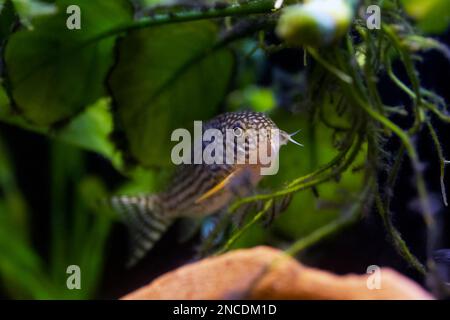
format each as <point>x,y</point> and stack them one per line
<point>55,72</point>
<point>167,77</point>
<point>89,130</point>
<point>90,228</point>
<point>30,9</point>
<point>432,16</point>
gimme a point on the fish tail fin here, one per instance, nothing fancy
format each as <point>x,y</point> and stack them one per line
<point>144,220</point>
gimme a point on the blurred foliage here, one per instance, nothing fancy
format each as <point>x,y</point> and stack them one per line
<point>166,88</point>
<point>258,99</point>
<point>433,16</point>
<point>78,234</point>
<point>29,9</point>
<point>89,130</point>
<point>119,86</point>
<point>39,59</point>
<point>7,17</point>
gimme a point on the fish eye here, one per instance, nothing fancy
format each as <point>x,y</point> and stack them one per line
<point>237,131</point>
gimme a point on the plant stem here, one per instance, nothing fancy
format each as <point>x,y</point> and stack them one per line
<point>334,226</point>
<point>241,231</point>
<point>420,182</point>
<point>332,69</point>
<point>397,81</point>
<point>250,7</point>
<point>309,184</point>
<point>410,70</point>
<point>399,243</point>
<point>442,116</point>
<point>360,99</point>
<point>442,161</point>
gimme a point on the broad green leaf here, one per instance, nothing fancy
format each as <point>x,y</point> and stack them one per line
<point>166,78</point>
<point>55,72</point>
<point>29,9</point>
<point>89,130</point>
<point>432,16</point>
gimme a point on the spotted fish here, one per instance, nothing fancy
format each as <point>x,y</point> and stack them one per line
<point>198,190</point>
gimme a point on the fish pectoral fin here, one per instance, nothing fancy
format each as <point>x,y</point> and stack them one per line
<point>218,187</point>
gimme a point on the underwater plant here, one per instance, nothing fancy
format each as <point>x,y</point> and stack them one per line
<point>115,78</point>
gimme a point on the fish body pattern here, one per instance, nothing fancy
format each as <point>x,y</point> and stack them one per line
<point>196,190</point>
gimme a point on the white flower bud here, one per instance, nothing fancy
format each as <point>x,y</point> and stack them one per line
<point>315,23</point>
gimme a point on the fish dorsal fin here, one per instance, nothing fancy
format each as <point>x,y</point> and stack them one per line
<point>145,224</point>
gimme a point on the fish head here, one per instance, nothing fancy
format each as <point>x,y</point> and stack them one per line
<point>254,134</point>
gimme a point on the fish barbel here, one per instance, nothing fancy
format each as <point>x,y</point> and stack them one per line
<point>197,190</point>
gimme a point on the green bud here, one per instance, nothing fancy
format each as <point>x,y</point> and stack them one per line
<point>315,23</point>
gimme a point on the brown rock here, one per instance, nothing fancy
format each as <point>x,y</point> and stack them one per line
<point>266,273</point>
